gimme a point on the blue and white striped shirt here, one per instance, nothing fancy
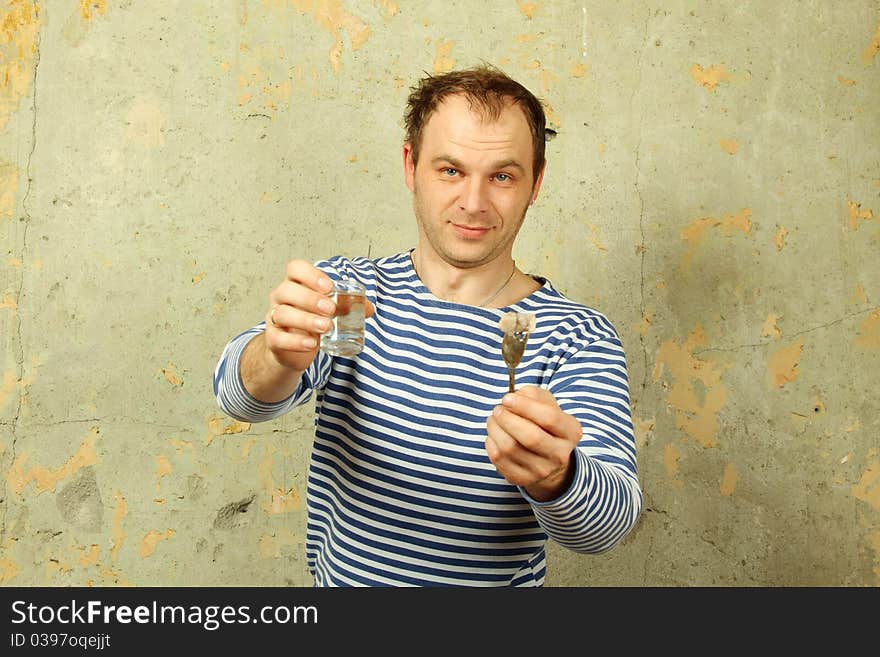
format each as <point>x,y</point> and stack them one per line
<point>400,489</point>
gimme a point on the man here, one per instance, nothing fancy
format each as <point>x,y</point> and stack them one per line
<point>423,471</point>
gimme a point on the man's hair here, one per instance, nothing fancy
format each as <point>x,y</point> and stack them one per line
<point>488,90</point>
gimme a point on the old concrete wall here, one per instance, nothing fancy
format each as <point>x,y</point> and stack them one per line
<point>714,189</point>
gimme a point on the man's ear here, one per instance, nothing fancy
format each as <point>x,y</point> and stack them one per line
<point>538,182</point>
<point>409,166</point>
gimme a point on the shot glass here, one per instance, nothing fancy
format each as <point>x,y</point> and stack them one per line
<point>346,334</point>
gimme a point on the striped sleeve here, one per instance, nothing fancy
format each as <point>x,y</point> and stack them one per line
<point>234,399</point>
<point>604,500</point>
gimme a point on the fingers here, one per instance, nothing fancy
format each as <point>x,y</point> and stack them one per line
<point>540,407</point>
<point>300,309</point>
<point>530,438</point>
<point>518,464</point>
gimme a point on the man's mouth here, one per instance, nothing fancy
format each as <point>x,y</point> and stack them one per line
<point>471,232</point>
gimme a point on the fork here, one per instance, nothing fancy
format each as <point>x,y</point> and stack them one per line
<point>512,348</point>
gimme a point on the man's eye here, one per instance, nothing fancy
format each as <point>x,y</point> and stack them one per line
<point>502,177</point>
<point>449,171</point>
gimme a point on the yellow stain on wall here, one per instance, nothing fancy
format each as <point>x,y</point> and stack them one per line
<point>779,238</point>
<point>88,555</point>
<point>695,231</point>
<point>8,302</point>
<point>696,417</point>
<point>729,146</point>
<point>710,77</point>
<point>644,430</point>
<point>671,457</point>
<point>645,324</point>
<point>246,446</point>
<point>594,238</point>
<point>770,329</point>
<point>859,296</point>
<point>443,63</point>
<point>552,118</point>
<point>278,500</point>
<point>119,513</point>
<point>868,336</point>
<point>19,30</point>
<point>873,48</point>
<point>8,570</point>
<point>171,375</point>
<point>9,175</point>
<point>88,8</point>
<point>333,17</point>
<point>845,82</point>
<point>152,539</point>
<point>578,70</point>
<point>47,479</point>
<point>783,365</point>
<point>868,488</point>
<point>216,427</point>
<point>728,480</point>
<point>163,469</point>
<point>528,8</point>
<point>180,445</point>
<point>857,215</point>
<point>390,6</point>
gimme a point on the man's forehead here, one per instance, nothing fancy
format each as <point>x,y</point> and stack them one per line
<point>487,113</point>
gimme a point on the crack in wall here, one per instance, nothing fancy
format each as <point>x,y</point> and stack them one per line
<point>788,337</point>
<point>26,220</point>
<point>642,247</point>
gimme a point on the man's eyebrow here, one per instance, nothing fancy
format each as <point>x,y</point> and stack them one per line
<point>502,164</point>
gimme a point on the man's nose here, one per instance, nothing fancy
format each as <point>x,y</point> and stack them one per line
<point>475,195</point>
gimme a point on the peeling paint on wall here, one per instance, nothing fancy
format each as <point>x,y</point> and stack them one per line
<point>528,8</point>
<point>443,63</point>
<point>89,8</point>
<point>728,480</point>
<point>783,366</point>
<point>277,499</point>
<point>671,457</point>
<point>46,479</point>
<point>171,374</point>
<point>711,77</point>
<point>696,414</point>
<point>779,238</point>
<point>218,425</point>
<point>333,17</point>
<point>693,234</point>
<point>19,38</point>
<point>873,48</point>
<point>729,146</point>
<point>859,296</point>
<point>152,539</point>
<point>857,215</point>
<point>119,513</point>
<point>770,329</point>
<point>868,488</point>
<point>8,189</point>
<point>868,336</point>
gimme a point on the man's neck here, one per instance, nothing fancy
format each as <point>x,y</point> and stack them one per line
<point>492,285</point>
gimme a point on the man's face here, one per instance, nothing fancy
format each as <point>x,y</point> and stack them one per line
<point>473,182</point>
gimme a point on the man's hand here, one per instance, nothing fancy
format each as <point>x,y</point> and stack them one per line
<point>531,441</point>
<point>299,312</point>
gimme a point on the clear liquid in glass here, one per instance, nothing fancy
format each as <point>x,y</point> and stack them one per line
<point>346,335</point>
